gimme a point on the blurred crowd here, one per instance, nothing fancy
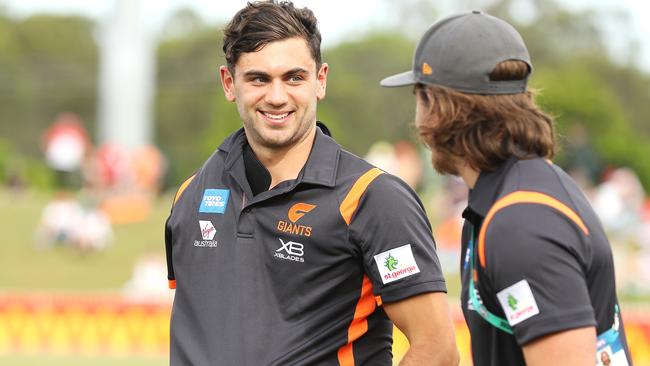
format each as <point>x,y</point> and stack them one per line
<point>97,186</point>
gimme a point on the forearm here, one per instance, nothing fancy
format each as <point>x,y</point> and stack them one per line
<point>425,355</point>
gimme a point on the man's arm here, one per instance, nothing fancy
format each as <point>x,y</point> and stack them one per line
<point>426,322</point>
<point>575,347</point>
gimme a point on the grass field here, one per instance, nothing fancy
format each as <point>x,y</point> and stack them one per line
<point>80,361</point>
<point>24,266</point>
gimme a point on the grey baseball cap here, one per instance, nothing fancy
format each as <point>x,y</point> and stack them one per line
<point>460,52</point>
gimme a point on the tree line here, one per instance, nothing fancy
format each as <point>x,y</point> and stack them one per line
<point>49,65</point>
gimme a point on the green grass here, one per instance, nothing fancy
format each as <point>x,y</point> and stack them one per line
<point>25,267</point>
<point>81,361</point>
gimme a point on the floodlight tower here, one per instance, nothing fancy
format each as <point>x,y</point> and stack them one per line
<point>126,80</point>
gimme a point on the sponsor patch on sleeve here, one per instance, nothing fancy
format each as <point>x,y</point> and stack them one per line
<point>518,302</point>
<point>396,263</point>
<point>214,201</point>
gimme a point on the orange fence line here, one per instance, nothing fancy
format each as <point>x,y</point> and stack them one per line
<point>112,325</point>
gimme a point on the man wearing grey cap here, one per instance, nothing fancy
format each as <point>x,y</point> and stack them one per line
<point>537,272</point>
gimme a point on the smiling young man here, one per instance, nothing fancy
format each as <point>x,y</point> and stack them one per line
<point>537,271</point>
<point>285,249</point>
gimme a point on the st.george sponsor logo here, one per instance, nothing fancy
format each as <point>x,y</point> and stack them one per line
<point>207,233</point>
<point>290,250</point>
<point>518,302</point>
<point>401,273</point>
<point>396,264</point>
<point>294,214</point>
<point>518,314</point>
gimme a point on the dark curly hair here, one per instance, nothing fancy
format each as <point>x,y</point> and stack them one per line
<point>262,22</point>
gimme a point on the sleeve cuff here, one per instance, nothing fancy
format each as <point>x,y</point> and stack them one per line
<point>543,326</point>
<point>401,293</point>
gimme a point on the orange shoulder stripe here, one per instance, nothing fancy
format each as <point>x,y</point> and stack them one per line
<point>525,197</point>
<point>367,302</point>
<point>182,188</point>
<point>351,201</point>
<point>359,326</point>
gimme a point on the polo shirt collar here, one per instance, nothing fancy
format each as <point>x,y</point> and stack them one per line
<point>487,188</point>
<point>323,161</point>
<point>320,168</point>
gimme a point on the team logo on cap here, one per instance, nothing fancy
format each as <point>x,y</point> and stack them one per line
<point>295,213</point>
<point>426,69</point>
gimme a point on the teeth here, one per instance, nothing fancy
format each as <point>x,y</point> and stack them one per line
<point>276,116</point>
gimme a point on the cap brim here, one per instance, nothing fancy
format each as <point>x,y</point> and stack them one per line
<point>403,79</point>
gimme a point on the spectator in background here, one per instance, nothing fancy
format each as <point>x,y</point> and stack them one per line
<point>66,222</point>
<point>148,282</point>
<point>618,201</point>
<point>582,162</point>
<point>401,159</point>
<point>61,220</point>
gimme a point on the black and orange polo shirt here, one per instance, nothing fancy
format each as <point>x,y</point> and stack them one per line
<point>541,261</point>
<point>295,275</point>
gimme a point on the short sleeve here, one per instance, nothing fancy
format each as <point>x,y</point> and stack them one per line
<point>394,236</point>
<point>534,261</point>
<point>169,254</point>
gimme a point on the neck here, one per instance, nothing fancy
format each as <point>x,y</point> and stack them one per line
<point>469,175</point>
<point>285,163</point>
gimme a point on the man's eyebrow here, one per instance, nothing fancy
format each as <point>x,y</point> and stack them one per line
<point>254,73</point>
<point>257,73</point>
<point>294,71</point>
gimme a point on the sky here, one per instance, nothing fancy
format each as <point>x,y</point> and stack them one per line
<point>341,18</point>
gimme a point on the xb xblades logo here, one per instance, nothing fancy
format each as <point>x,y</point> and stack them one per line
<point>291,247</point>
<point>292,251</point>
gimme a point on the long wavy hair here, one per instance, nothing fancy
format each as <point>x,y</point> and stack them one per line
<point>483,130</point>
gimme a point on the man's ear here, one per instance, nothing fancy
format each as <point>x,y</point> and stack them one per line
<point>321,80</point>
<point>228,83</point>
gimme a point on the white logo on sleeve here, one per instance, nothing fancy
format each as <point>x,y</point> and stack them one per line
<point>518,302</point>
<point>396,263</point>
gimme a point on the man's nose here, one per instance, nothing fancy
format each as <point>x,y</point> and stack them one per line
<point>277,94</point>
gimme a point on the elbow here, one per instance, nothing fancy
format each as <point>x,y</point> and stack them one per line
<point>435,355</point>
<point>456,358</point>
<point>452,357</point>
<point>449,355</point>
